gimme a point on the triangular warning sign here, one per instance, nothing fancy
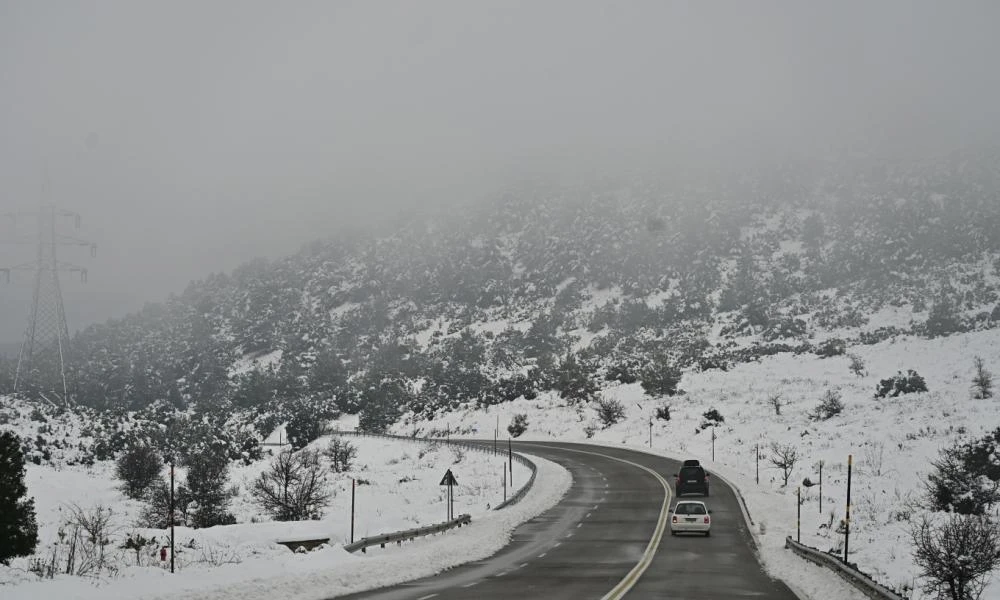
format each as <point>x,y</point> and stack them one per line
<point>448,479</point>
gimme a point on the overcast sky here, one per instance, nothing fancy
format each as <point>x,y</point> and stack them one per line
<point>196,135</point>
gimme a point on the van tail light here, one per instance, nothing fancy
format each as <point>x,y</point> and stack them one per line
<point>675,519</point>
<point>707,519</point>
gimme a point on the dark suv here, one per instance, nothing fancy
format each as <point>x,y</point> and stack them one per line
<point>692,479</point>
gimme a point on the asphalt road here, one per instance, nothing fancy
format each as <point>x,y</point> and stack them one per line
<point>609,538</point>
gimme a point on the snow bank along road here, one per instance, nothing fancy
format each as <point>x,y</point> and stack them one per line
<point>609,538</point>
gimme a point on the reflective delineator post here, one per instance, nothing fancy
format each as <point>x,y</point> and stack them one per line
<point>510,462</point>
<point>820,487</point>
<point>756,449</point>
<point>798,515</point>
<point>172,517</point>
<point>847,519</point>
<point>353,487</point>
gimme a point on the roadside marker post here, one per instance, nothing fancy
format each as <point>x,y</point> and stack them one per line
<point>450,481</point>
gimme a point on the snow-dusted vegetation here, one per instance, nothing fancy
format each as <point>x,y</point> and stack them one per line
<point>845,310</point>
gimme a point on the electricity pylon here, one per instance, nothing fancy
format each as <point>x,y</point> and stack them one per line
<point>41,363</point>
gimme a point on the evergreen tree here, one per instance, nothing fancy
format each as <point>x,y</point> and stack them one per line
<point>327,377</point>
<point>138,467</point>
<point>208,472</point>
<point>573,381</point>
<point>660,378</point>
<point>943,318</point>
<point>18,528</point>
<point>381,404</point>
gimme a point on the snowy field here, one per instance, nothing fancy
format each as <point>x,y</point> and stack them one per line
<point>892,441</point>
<point>244,561</point>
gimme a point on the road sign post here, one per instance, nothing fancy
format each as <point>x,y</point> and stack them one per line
<point>450,481</point>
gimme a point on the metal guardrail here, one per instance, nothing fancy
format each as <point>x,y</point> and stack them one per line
<point>865,584</point>
<point>475,446</point>
<point>406,535</point>
<point>524,490</point>
<point>409,534</point>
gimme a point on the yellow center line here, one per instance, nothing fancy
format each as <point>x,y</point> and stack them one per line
<point>633,576</point>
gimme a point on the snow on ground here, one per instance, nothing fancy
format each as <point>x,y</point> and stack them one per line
<point>248,363</point>
<point>398,490</point>
<point>892,441</point>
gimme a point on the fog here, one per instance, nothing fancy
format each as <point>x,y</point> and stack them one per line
<point>193,136</point>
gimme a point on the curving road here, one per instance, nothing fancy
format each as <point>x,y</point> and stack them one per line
<point>609,538</point>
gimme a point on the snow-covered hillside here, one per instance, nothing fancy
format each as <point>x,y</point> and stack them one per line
<point>892,440</point>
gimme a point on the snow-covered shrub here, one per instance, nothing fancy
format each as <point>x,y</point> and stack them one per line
<point>785,327</point>
<point>831,347</point>
<point>829,407</point>
<point>661,377</point>
<point>900,383</point>
<point>712,417</point>
<point>610,411</point>
<point>341,453</point>
<point>956,554</point>
<point>621,373</point>
<point>518,425</point>
<point>857,366</point>
<point>138,467</point>
<point>966,477</point>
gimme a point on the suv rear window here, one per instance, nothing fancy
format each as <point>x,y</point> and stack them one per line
<point>692,473</point>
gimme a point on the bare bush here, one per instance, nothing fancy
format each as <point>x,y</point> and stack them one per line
<point>341,454</point>
<point>293,488</point>
<point>956,555</point>
<point>874,456</point>
<point>857,366</point>
<point>784,457</point>
<point>982,382</point>
<point>86,534</point>
<point>141,545</point>
<point>776,402</point>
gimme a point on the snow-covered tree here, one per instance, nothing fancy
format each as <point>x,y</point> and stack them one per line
<point>18,528</point>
